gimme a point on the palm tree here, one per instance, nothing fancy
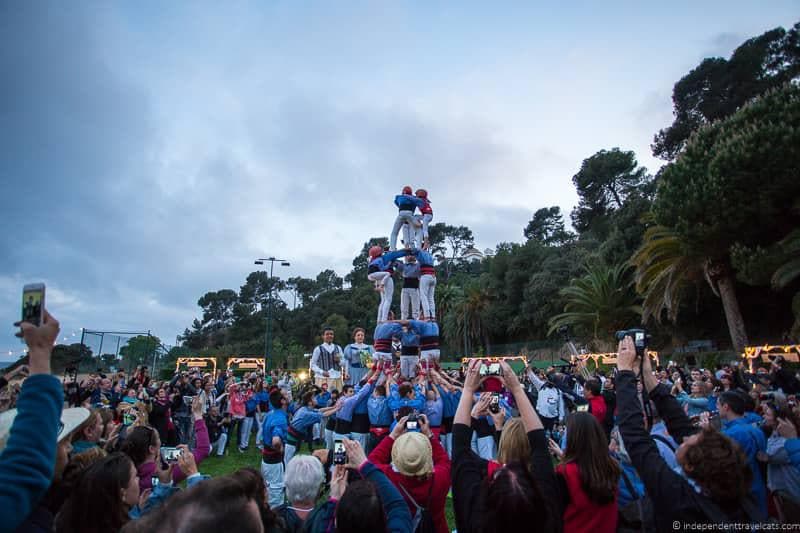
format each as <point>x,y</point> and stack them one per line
<point>666,266</point>
<point>465,319</point>
<point>602,301</point>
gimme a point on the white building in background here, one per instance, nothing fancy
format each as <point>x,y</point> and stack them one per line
<point>472,254</point>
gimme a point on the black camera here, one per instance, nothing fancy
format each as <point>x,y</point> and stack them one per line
<point>640,338</point>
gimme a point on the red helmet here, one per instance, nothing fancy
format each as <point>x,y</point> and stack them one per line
<point>375,251</point>
<point>407,189</point>
<point>421,193</point>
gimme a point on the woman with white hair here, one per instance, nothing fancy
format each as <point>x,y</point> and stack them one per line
<point>303,479</point>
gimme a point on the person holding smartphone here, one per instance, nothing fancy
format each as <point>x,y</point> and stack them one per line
<point>417,464</point>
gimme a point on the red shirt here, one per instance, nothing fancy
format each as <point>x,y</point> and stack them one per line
<point>597,406</point>
<point>582,514</point>
<point>419,489</point>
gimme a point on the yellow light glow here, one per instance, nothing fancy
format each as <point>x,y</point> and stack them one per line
<point>303,376</point>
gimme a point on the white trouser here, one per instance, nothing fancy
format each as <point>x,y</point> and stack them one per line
<point>426,220</point>
<point>429,358</point>
<point>447,443</point>
<point>385,279</point>
<point>405,220</point>
<point>409,300</point>
<point>288,452</point>
<point>244,432</point>
<point>220,443</point>
<point>260,425</point>
<point>317,431</point>
<point>408,365</point>
<point>273,478</point>
<point>361,438</point>
<point>427,287</point>
<point>328,439</point>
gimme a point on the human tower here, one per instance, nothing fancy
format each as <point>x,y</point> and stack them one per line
<point>417,328</point>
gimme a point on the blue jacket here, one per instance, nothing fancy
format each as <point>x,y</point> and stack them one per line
<point>752,441</point>
<point>379,412</point>
<point>383,262</point>
<point>396,402</point>
<point>423,257</point>
<point>408,202</point>
<point>398,517</point>
<point>28,461</point>
<point>349,404</point>
<point>323,399</point>
<point>304,418</point>
<point>276,424</point>
<point>387,330</point>
<point>449,401</point>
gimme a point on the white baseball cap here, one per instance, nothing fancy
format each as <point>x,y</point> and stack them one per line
<point>70,420</point>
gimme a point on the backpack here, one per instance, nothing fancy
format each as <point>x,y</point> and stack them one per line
<point>423,519</point>
<point>638,515</point>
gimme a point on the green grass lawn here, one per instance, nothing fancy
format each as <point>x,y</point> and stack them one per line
<point>233,460</point>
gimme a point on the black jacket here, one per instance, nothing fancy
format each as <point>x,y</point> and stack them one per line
<point>674,500</point>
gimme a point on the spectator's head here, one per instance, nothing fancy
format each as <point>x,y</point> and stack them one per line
<point>731,405</point>
<point>514,446</point>
<point>587,446</point>
<point>102,497</point>
<point>773,411</point>
<point>325,387</point>
<point>360,509</point>
<point>304,478</point>
<point>91,430</point>
<point>698,389</point>
<point>696,375</point>
<point>591,389</point>
<point>412,455</point>
<point>208,507</point>
<point>726,381</point>
<point>308,399</point>
<point>717,464</point>
<point>105,384</point>
<point>406,391</point>
<point>511,497</point>
<point>276,400</point>
<point>142,444</point>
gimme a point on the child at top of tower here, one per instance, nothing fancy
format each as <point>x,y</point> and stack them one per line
<point>425,217</point>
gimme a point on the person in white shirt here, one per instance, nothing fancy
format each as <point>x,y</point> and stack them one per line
<point>326,362</point>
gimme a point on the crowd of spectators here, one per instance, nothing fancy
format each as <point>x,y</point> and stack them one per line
<point>559,449</point>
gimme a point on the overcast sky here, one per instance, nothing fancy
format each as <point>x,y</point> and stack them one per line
<point>152,150</point>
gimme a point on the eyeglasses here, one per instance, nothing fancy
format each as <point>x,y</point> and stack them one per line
<point>60,427</point>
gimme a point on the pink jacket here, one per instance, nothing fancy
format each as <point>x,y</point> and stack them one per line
<point>202,448</point>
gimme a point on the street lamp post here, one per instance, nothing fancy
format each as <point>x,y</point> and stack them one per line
<point>268,338</point>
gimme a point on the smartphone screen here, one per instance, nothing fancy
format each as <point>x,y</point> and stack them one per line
<point>33,303</point>
<point>582,408</point>
<point>494,369</point>
<point>494,406</point>
<point>339,453</point>
<point>170,454</point>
